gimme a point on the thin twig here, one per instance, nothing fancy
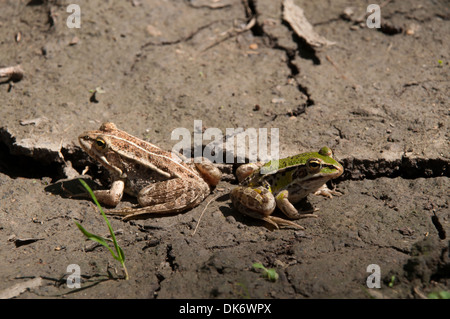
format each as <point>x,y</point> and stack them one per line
<point>204,209</point>
<point>183,39</point>
<point>419,293</point>
<point>230,34</point>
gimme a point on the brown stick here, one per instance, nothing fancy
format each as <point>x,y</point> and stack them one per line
<point>12,73</point>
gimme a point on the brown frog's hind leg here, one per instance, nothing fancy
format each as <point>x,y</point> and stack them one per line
<point>166,197</point>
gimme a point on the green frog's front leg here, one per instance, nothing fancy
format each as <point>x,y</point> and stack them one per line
<point>283,203</point>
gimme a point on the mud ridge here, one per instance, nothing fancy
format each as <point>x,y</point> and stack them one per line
<point>22,162</point>
<point>14,163</point>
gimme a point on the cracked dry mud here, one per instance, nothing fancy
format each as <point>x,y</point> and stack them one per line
<point>379,98</point>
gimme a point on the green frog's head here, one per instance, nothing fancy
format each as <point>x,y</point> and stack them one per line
<point>312,165</point>
<point>322,163</point>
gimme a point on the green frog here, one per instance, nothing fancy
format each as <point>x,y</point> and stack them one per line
<point>282,183</point>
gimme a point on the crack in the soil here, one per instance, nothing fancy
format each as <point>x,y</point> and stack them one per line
<point>303,50</point>
<point>162,275</point>
<point>405,167</point>
<point>21,163</point>
<point>170,258</point>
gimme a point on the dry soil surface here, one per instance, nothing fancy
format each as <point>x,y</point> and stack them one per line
<point>379,97</point>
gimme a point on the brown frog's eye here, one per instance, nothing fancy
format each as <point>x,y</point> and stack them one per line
<point>100,144</point>
<point>313,164</point>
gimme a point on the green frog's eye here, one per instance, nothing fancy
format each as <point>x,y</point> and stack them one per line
<point>100,144</point>
<point>313,164</point>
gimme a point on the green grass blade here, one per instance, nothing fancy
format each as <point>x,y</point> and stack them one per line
<point>85,185</point>
<point>120,255</point>
<point>96,238</point>
<point>258,266</point>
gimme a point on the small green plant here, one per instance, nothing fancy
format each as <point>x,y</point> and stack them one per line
<point>439,295</point>
<point>270,274</point>
<point>118,255</point>
<point>97,90</point>
<point>391,283</point>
